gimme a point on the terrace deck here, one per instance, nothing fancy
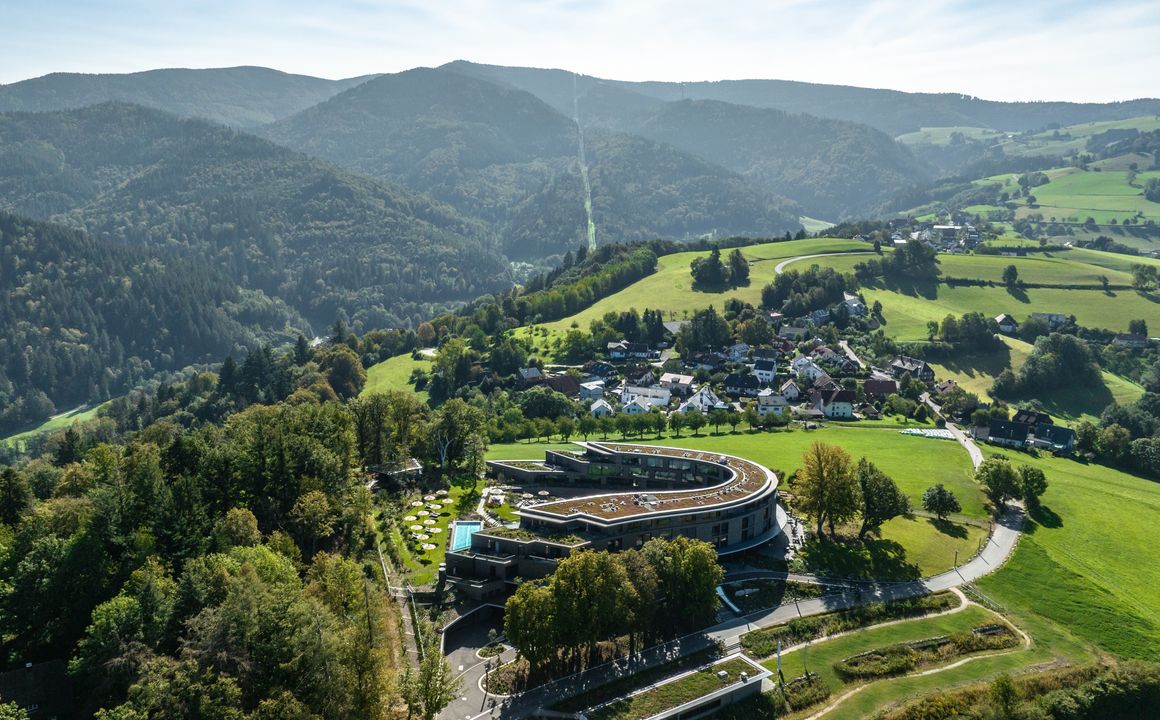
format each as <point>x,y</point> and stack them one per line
<point>747,479</point>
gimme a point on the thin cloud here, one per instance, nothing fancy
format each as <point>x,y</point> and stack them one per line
<point>1069,50</point>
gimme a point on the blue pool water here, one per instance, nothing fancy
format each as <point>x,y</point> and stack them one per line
<point>462,532</point>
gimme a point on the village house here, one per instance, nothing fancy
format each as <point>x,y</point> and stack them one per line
<point>805,367</point>
<point>1029,417</point>
<point>677,384</point>
<point>1053,320</point>
<point>765,353</point>
<point>878,389</point>
<point>564,384</point>
<point>600,408</point>
<point>530,376</point>
<point>637,406</point>
<point>944,387</point>
<point>1049,436</point>
<point>771,403</point>
<point>598,369</point>
<point>792,333</point>
<point>622,349</point>
<point>854,304</point>
<point>1007,324</point>
<point>710,361</point>
<point>702,401</point>
<point>765,371</point>
<point>592,390</point>
<point>649,396</point>
<point>918,369</point>
<point>836,404</point>
<point>1005,432</point>
<point>738,384</point>
<point>737,352</point>
<point>1130,340</point>
<point>790,390</point>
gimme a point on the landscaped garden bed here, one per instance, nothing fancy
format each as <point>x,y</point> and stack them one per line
<point>907,657</point>
<point>763,643</point>
<point>673,694</point>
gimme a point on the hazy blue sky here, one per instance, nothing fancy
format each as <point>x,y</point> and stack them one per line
<point>1008,49</point>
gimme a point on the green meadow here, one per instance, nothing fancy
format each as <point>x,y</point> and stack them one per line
<point>57,422</point>
<point>670,287</point>
<point>1087,558</point>
<point>394,374</point>
<point>975,372</point>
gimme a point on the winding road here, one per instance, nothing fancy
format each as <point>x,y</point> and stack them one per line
<point>780,267</point>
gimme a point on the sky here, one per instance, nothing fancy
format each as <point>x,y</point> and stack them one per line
<point>1004,50</point>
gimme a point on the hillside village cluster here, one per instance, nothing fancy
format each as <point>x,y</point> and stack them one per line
<point>796,377</point>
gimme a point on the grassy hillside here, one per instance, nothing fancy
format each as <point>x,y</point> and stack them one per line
<point>1087,550</point>
<point>394,374</point>
<point>57,422</point>
<point>976,372</point>
<point>908,312</point>
<point>670,287</point>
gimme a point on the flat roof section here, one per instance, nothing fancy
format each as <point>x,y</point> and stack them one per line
<point>748,480</point>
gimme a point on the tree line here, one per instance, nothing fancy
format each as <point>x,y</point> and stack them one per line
<point>659,591</point>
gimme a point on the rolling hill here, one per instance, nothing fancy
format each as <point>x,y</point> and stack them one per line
<point>238,96</point>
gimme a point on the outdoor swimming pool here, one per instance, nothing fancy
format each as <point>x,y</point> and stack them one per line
<point>461,532</point>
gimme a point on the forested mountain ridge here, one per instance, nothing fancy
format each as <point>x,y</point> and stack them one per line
<point>470,143</point>
<point>320,238</point>
<point>507,158</point>
<point>82,319</point>
<point>832,168</point>
<point>891,111</point>
<point>238,96</point>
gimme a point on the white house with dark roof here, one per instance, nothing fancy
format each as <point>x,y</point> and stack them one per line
<point>765,370</point>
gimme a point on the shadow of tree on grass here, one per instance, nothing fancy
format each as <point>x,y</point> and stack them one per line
<point>951,529</point>
<point>872,558</point>
<point>1045,516</point>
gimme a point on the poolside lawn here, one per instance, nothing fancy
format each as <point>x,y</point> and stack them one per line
<point>422,565</point>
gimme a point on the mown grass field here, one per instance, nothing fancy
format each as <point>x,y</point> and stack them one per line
<point>942,135</point>
<point>907,310</point>
<point>914,463</point>
<point>53,424</point>
<point>394,374</point>
<point>1087,561</point>
<point>1074,195</point>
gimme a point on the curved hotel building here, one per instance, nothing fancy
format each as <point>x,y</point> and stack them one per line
<point>638,492</point>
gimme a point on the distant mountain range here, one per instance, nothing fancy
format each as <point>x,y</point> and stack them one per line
<point>890,111</point>
<point>239,96</point>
